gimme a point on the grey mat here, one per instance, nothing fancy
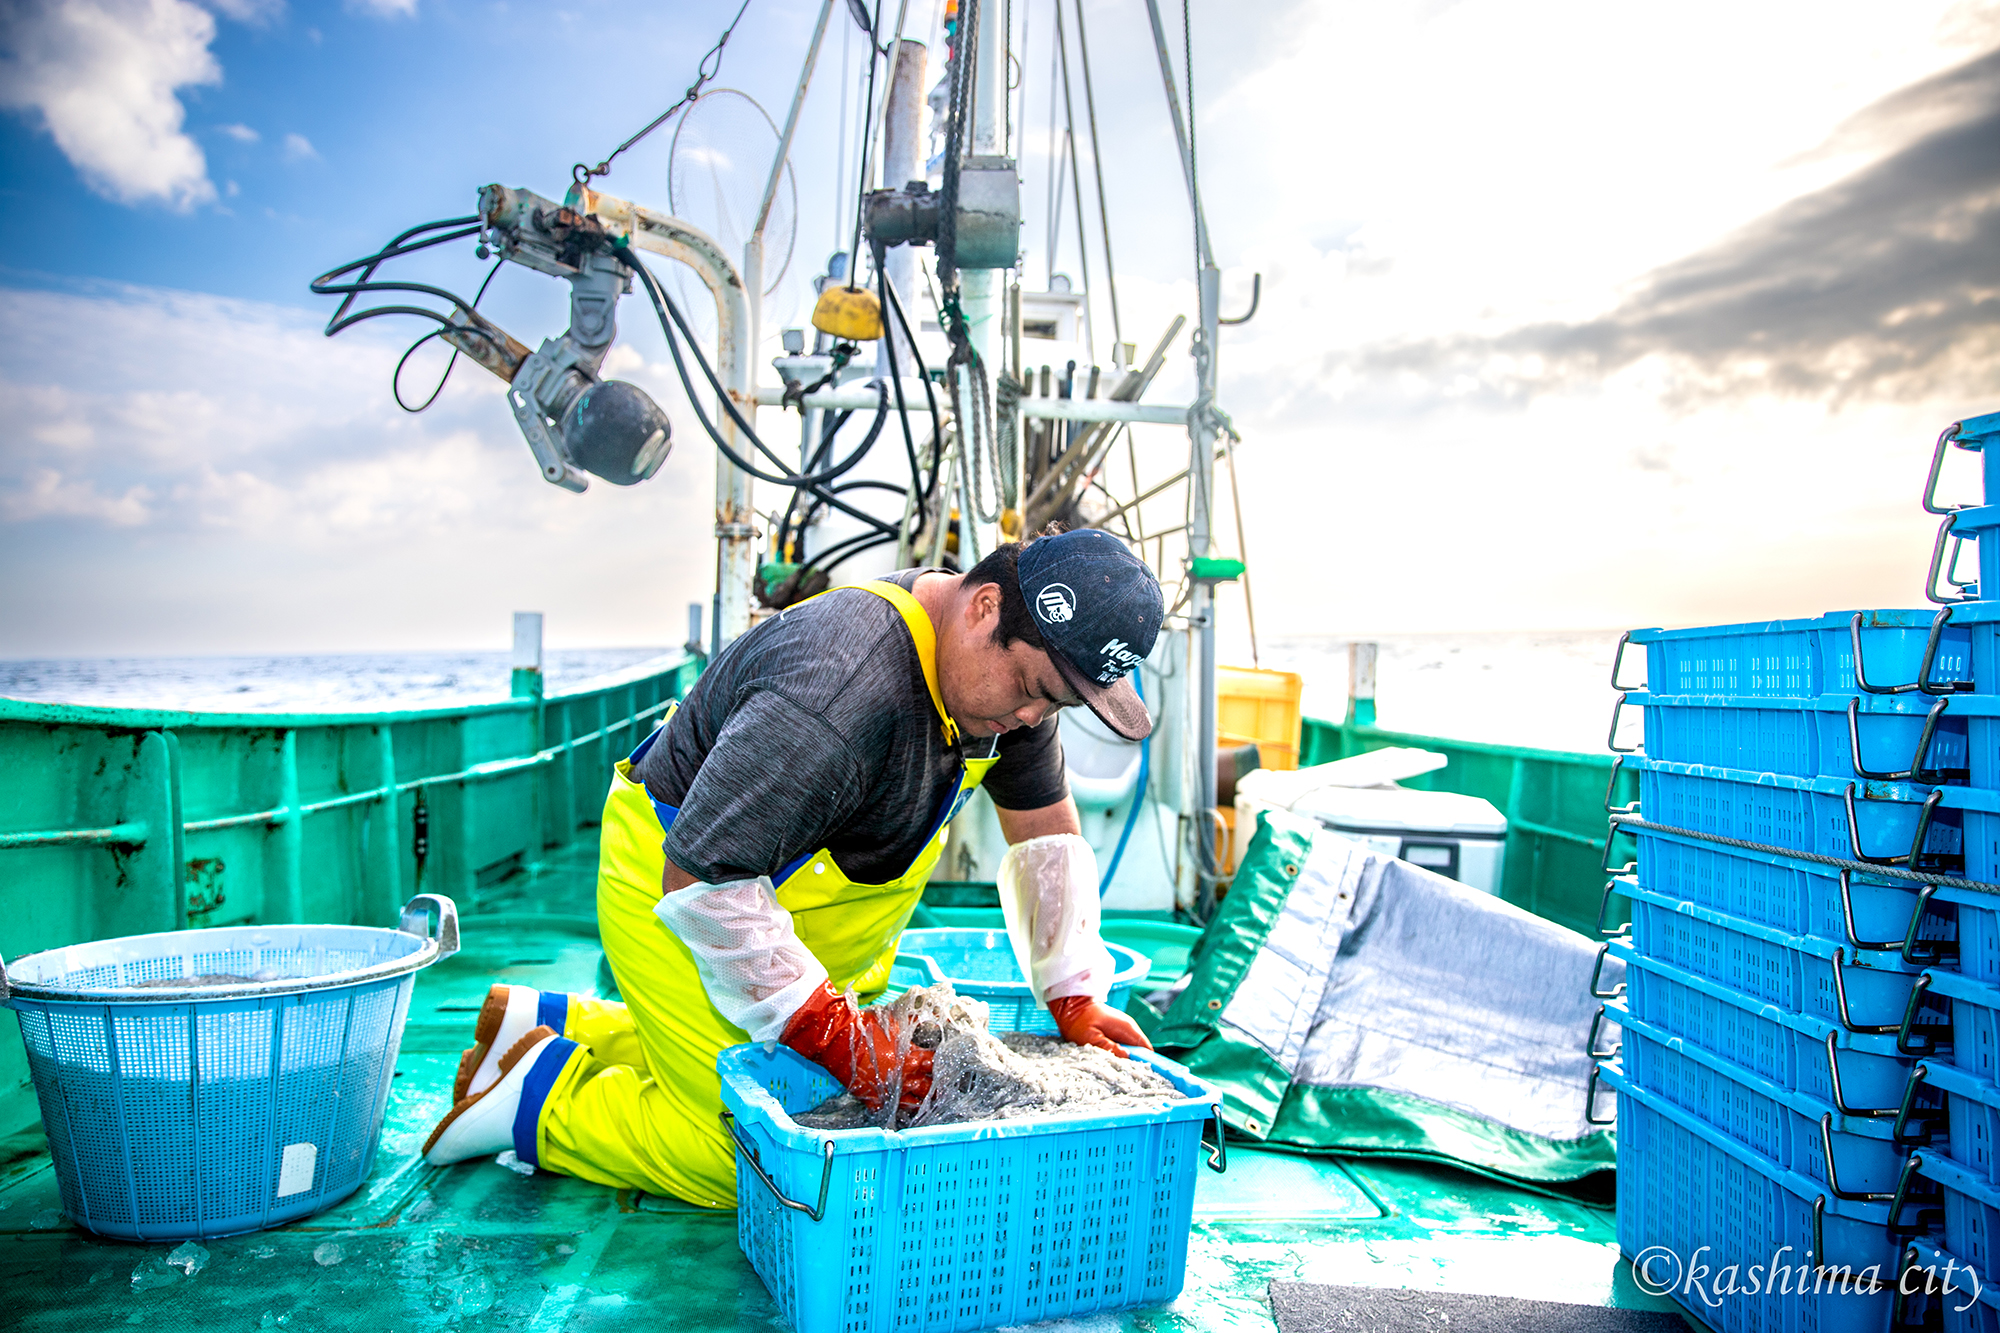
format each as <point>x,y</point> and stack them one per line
<point>1307,1307</point>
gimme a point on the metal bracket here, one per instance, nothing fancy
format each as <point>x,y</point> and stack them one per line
<point>1916,772</point>
<point>1944,439</point>
<point>1921,952</point>
<point>1218,1152</point>
<point>1911,1039</point>
<point>1612,785</point>
<point>1610,836</point>
<point>1840,1004</point>
<point>1840,1100</point>
<point>1947,566</point>
<point>1590,1101</point>
<point>1833,1176</point>
<point>524,397</point>
<point>1908,858</point>
<point>816,1213</point>
<point>1590,1042</point>
<point>1618,660</point>
<point>1903,1134</point>
<point>1927,1218</point>
<point>1597,972</point>
<point>1611,737</point>
<point>1603,905</point>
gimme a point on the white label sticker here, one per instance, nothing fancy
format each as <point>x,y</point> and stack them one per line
<point>295,1168</point>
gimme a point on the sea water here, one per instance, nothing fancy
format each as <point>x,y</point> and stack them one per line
<point>1541,688</point>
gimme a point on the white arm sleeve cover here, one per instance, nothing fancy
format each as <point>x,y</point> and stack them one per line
<point>755,968</point>
<point>1048,893</point>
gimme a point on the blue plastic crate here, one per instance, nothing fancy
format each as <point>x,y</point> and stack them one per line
<point>1684,1186</point>
<point>981,964</point>
<point>959,1227</point>
<point>1975,1022</point>
<point>1802,973</point>
<point>1803,897</point>
<point>1970,1221</point>
<point>1977,918</point>
<point>1959,1310</point>
<point>1799,659</point>
<point>1815,737</point>
<point>1795,1051</point>
<point>210,1110</point>
<point>1791,1128</point>
<point>1809,814</point>
<point>1970,1133</point>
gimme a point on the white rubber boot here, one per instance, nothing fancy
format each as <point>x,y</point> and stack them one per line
<point>483,1124</point>
<point>506,1017</point>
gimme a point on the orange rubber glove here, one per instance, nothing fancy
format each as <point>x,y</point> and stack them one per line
<point>858,1047</point>
<point>1088,1022</point>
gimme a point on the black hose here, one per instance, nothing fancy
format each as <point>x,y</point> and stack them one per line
<point>663,305</point>
<point>325,284</point>
<point>396,376</point>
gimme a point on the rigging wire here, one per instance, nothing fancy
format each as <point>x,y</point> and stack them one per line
<point>1076,188</point>
<point>707,69</point>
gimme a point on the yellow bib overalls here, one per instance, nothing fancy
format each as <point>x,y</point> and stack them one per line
<point>637,1099</point>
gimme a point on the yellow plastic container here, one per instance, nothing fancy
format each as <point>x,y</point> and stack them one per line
<point>1259,708</point>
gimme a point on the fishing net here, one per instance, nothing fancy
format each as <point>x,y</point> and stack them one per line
<point>976,1075</point>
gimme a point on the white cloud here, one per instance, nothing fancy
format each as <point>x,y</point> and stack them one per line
<point>258,12</point>
<point>385,9</point>
<point>298,148</point>
<point>102,77</point>
<point>240,133</point>
<point>46,493</point>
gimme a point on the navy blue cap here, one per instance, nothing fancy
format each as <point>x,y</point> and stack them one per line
<point>1099,611</point>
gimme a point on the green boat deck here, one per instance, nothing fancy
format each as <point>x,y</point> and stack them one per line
<point>482,1246</point>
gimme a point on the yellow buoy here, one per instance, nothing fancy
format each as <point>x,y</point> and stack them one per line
<point>850,313</point>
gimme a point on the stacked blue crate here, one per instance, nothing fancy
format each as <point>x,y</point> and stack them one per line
<point>1808,1055</point>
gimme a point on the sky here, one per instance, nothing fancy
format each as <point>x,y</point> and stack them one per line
<point>1573,315</point>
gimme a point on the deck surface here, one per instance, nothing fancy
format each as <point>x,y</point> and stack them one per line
<point>481,1247</point>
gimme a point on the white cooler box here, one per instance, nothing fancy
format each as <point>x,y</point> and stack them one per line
<point>1460,837</point>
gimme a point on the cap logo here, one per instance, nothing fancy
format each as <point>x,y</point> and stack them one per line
<point>1056,604</point>
<point>1118,660</point>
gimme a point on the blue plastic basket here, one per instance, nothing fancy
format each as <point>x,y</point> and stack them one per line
<point>1971,1214</point>
<point>981,964</point>
<point>204,1111</point>
<point>1975,1022</point>
<point>959,1227</point>
<point>1800,659</point>
<point>1858,989</point>
<point>1795,1051</point>
<point>1816,737</point>
<point>1962,1310</point>
<point>1970,1131</point>
<point>1809,814</point>
<point>1684,1186</point>
<point>1801,897</point>
<point>1791,1128</point>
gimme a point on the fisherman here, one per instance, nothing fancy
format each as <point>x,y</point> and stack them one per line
<point>762,851</point>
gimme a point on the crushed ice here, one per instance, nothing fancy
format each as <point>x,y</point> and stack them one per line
<point>513,1162</point>
<point>189,1257</point>
<point>976,1075</point>
<point>328,1254</point>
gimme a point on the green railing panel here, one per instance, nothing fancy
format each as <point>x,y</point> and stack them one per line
<point>1554,802</point>
<point>123,821</point>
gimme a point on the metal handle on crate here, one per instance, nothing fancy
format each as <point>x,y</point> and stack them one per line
<point>1925,952</point>
<point>1946,566</point>
<point>816,1213</point>
<point>1611,737</point>
<point>1927,1218</point>
<point>1910,1039</point>
<point>1611,787</point>
<point>1218,1152</point>
<point>416,921</point>
<point>1590,1042</point>
<point>1908,858</point>
<point>1945,437</point>
<point>1822,1268</point>
<point>1611,836</point>
<point>1847,916</point>
<point>1618,661</point>
<point>1833,1176</point>
<point>1596,973</point>
<point>1840,1099</point>
<point>1840,1005</point>
<point>1904,1134</point>
<point>1604,904</point>
<point>1929,664</point>
<point>1590,1100</point>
